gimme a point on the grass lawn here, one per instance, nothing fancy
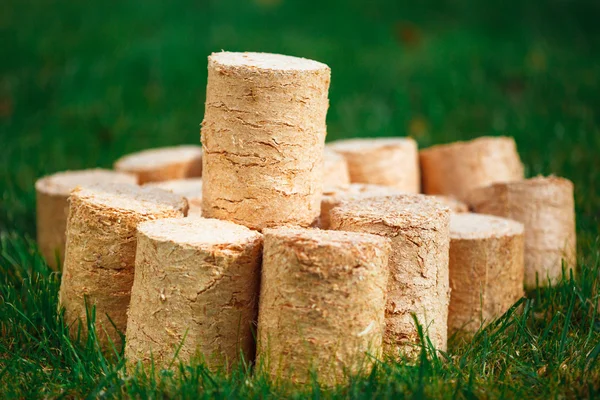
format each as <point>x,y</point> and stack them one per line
<point>85,82</point>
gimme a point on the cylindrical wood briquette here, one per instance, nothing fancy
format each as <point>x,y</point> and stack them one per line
<point>190,188</point>
<point>486,269</point>
<point>546,207</point>
<point>455,169</point>
<point>100,251</point>
<point>335,169</point>
<point>418,282</point>
<point>322,303</point>
<point>195,293</point>
<point>335,195</point>
<point>263,136</point>
<point>162,164</point>
<point>52,194</point>
<point>382,161</point>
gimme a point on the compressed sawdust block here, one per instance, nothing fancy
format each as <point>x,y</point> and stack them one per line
<point>545,205</point>
<point>195,293</point>
<point>52,194</point>
<point>263,136</point>
<point>486,269</point>
<point>455,205</point>
<point>322,303</point>
<point>335,195</point>
<point>418,283</point>
<point>100,251</point>
<point>190,188</point>
<point>163,164</point>
<point>335,169</point>
<point>455,169</point>
<point>383,161</point>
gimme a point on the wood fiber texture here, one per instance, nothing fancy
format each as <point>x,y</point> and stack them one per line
<point>546,207</point>
<point>100,251</point>
<point>335,195</point>
<point>322,304</point>
<point>418,227</point>
<point>384,161</point>
<point>195,293</point>
<point>263,136</point>
<point>486,269</point>
<point>163,164</point>
<point>52,202</point>
<point>455,169</point>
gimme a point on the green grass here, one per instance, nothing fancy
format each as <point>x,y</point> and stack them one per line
<point>85,82</point>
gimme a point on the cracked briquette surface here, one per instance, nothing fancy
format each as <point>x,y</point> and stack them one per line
<point>394,211</point>
<point>335,195</point>
<point>322,303</point>
<point>195,286</point>
<point>130,198</point>
<point>418,227</point>
<point>263,136</point>
<point>52,193</point>
<point>100,251</point>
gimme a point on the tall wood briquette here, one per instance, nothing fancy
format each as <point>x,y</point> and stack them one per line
<point>163,163</point>
<point>418,227</point>
<point>322,303</point>
<point>263,136</point>
<point>546,207</point>
<point>52,206</point>
<point>195,293</point>
<point>190,188</point>
<point>455,169</point>
<point>382,161</point>
<point>486,269</point>
<point>100,251</point>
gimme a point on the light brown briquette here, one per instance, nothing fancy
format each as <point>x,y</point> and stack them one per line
<point>335,169</point>
<point>263,136</point>
<point>455,169</point>
<point>455,205</point>
<point>163,163</point>
<point>486,269</point>
<point>322,303</point>
<point>52,206</point>
<point>335,195</point>
<point>546,207</point>
<point>190,188</point>
<point>382,161</point>
<point>195,293</point>
<point>100,251</point>
<point>418,282</point>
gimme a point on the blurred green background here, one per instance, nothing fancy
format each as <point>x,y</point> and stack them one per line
<point>85,82</point>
